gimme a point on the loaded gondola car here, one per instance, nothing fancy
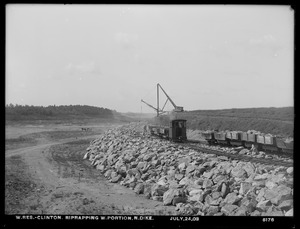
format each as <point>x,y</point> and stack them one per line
<point>221,137</point>
<point>285,145</point>
<point>209,137</point>
<point>251,138</point>
<point>235,138</point>
<point>176,131</point>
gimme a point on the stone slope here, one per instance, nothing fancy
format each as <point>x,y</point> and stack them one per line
<point>196,183</point>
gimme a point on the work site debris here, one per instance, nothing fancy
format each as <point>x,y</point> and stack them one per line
<point>196,183</point>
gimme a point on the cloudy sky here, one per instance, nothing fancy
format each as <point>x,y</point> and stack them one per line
<point>112,56</point>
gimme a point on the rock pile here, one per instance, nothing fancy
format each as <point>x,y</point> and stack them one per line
<point>196,183</point>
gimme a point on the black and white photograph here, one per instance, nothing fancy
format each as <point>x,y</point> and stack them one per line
<point>176,114</point>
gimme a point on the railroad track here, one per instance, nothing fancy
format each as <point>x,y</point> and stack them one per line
<point>241,157</point>
<point>194,144</point>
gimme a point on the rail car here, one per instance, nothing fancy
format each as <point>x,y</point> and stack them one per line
<point>176,131</point>
<point>248,139</point>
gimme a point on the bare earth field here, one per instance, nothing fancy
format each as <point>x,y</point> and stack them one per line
<point>45,174</point>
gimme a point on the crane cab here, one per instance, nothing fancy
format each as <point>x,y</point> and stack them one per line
<point>178,109</point>
<point>177,131</point>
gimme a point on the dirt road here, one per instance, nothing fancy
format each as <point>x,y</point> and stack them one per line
<point>51,177</point>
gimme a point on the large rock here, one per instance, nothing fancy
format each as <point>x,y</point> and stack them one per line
<point>270,184</point>
<point>207,183</point>
<point>229,209</point>
<point>245,187</point>
<point>224,189</point>
<point>263,205</point>
<point>190,169</point>
<point>261,194</point>
<point>86,155</point>
<point>108,173</point>
<point>259,183</point>
<point>163,181</point>
<point>278,178</point>
<point>100,167</point>
<point>156,162</point>
<point>243,151</point>
<point>132,172</point>
<point>213,210</point>
<point>186,209</point>
<point>115,178</point>
<point>261,176</point>
<point>139,188</point>
<point>171,194</point>
<point>249,168</point>
<point>217,202</point>
<point>290,170</point>
<point>273,211</point>
<point>144,150</point>
<point>199,182</point>
<point>178,176</point>
<point>286,205</point>
<point>171,174</point>
<point>289,212</point>
<point>158,190</point>
<point>219,178</point>
<point>185,181</point>
<point>179,199</point>
<point>128,180</point>
<point>195,195</point>
<point>224,165</point>
<point>132,185</point>
<point>238,171</point>
<point>208,199</point>
<point>232,198</point>
<point>147,190</point>
<point>141,165</point>
<point>145,176</point>
<point>148,157</point>
<point>279,194</point>
<point>248,204</point>
<point>240,212</point>
<point>122,170</point>
<point>208,175</point>
<point>216,195</point>
<point>111,159</point>
<point>182,166</point>
<point>128,158</point>
<point>201,170</point>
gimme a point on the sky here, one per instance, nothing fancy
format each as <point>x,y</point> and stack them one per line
<point>112,56</point>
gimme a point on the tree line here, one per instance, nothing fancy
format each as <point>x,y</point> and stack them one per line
<point>28,112</point>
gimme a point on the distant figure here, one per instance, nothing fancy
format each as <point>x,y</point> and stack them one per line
<point>253,149</point>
